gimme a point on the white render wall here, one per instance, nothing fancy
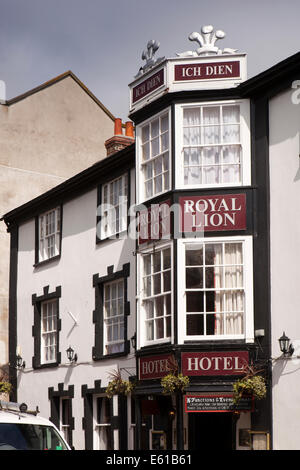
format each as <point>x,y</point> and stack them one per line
<point>80,259</point>
<point>285,263</point>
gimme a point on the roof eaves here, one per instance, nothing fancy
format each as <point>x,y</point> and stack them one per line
<point>79,183</point>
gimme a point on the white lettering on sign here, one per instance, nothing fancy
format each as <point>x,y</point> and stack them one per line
<point>154,367</point>
<point>218,212</point>
<point>215,363</point>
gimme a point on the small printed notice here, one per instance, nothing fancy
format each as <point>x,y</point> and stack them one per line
<point>216,403</point>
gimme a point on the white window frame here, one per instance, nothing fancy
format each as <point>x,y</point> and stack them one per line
<point>245,143</point>
<point>141,317</point>
<point>46,333</point>
<point>65,428</point>
<point>140,180</point>
<point>97,426</point>
<point>108,211</point>
<point>119,316</point>
<point>248,319</point>
<point>54,235</point>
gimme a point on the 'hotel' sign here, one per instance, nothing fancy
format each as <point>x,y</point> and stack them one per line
<point>214,363</point>
<point>207,71</point>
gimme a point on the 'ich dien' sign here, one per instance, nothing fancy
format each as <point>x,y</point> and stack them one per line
<point>207,71</point>
<point>147,86</point>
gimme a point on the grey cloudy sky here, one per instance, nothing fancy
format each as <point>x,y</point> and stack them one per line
<point>101,41</point>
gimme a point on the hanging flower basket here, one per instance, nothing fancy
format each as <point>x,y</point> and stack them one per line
<point>252,385</point>
<point>5,385</point>
<point>118,386</point>
<point>172,383</point>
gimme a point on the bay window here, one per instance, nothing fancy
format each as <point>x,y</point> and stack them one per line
<point>214,141</point>
<point>216,296</point>
<point>154,171</point>
<point>156,295</point>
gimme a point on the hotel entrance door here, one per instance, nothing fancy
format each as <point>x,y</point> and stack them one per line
<point>210,431</point>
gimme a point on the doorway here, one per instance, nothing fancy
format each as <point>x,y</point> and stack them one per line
<point>210,431</point>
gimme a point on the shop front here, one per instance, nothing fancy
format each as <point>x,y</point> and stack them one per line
<point>201,415</point>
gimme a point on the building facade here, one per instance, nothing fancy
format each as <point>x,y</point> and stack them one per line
<point>47,135</point>
<point>195,280</point>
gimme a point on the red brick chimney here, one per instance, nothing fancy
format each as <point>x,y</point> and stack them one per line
<point>120,141</point>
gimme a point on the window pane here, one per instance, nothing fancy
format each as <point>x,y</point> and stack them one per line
<point>191,116</point>
<point>194,278</point>
<point>167,281</point>
<point>155,147</point>
<point>194,302</point>
<point>164,123</point>
<point>213,254</point>
<point>157,284</point>
<point>159,306</point>
<point>194,325</point>
<point>145,133</point>
<point>154,128</point>
<point>194,256</point>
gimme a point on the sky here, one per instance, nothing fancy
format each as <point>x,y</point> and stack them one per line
<point>102,41</point>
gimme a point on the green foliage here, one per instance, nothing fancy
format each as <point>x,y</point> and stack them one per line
<point>118,386</point>
<point>250,385</point>
<point>174,383</point>
<point>5,387</point>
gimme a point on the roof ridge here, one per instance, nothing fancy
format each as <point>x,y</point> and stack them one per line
<point>54,80</point>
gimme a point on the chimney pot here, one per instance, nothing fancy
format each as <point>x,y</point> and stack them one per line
<point>129,129</point>
<point>118,126</point>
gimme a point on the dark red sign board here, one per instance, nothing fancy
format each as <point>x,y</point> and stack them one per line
<point>154,222</point>
<point>213,213</point>
<point>207,71</point>
<point>155,367</point>
<point>214,363</point>
<point>147,86</point>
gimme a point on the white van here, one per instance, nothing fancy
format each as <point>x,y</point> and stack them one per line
<point>21,429</point>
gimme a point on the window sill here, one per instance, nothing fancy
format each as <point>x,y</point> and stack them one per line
<point>116,236</point>
<point>102,357</point>
<point>46,261</point>
<point>48,365</point>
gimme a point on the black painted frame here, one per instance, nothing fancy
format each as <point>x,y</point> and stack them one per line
<point>98,283</point>
<point>54,397</point>
<point>36,329</point>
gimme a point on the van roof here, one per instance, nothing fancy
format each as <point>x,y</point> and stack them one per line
<point>22,418</point>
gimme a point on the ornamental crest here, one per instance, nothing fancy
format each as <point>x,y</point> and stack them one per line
<point>148,56</point>
<point>207,42</point>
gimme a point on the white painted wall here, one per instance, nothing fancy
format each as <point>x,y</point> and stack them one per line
<point>80,259</point>
<point>285,262</point>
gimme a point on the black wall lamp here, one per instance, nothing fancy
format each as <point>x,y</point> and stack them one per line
<point>20,364</point>
<point>133,341</point>
<point>285,346</point>
<point>71,355</point>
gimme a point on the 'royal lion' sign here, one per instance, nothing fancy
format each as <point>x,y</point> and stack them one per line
<point>213,213</point>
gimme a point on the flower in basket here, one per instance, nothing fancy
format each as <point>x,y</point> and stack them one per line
<point>174,381</point>
<point>118,386</point>
<point>251,385</point>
